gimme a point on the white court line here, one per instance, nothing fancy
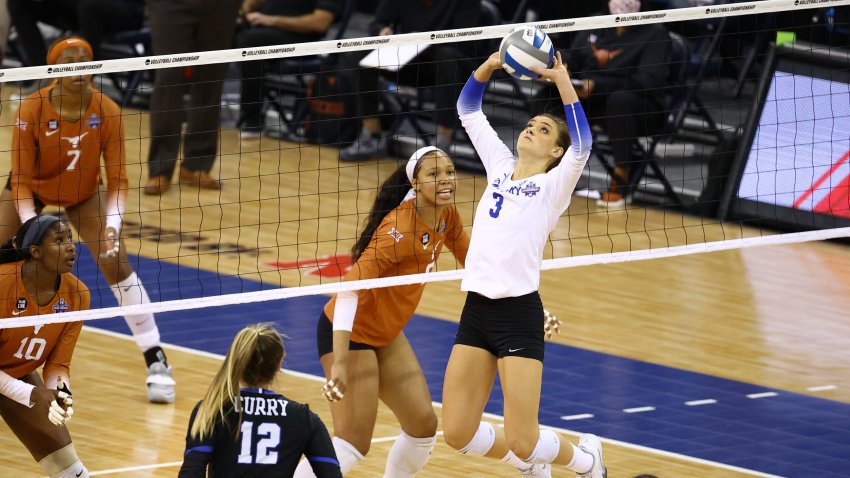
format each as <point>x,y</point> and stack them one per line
<point>696,403</point>
<point>580,416</point>
<point>610,441</point>
<point>762,395</point>
<point>639,409</point>
<point>822,388</point>
<point>135,468</point>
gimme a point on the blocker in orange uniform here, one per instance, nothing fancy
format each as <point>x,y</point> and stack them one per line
<point>362,347</point>
<point>35,278</point>
<point>61,132</point>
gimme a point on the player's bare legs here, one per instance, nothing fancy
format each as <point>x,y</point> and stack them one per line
<point>404,390</point>
<point>464,396</point>
<point>89,219</point>
<point>31,425</point>
<point>9,221</point>
<point>354,416</point>
<point>521,380</point>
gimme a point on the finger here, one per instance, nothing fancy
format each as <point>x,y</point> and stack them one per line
<point>68,414</point>
<point>55,414</point>
<point>110,253</point>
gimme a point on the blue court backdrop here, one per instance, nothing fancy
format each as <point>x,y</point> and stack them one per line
<point>786,434</point>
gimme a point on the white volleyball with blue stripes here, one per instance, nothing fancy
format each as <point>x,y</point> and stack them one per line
<point>523,48</point>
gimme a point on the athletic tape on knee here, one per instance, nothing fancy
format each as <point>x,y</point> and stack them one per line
<point>409,455</point>
<point>547,448</point>
<point>59,460</point>
<point>482,442</point>
<point>131,291</point>
<point>347,454</point>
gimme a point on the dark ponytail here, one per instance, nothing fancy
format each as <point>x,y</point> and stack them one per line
<point>390,195</point>
<point>8,253</point>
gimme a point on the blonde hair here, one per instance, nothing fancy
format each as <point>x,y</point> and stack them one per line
<point>254,359</point>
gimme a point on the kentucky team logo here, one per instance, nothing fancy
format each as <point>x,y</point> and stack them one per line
<point>426,238</point>
<point>94,121</point>
<point>52,124</point>
<point>497,182</point>
<point>61,306</point>
<point>396,235</point>
<point>530,189</point>
<point>22,303</point>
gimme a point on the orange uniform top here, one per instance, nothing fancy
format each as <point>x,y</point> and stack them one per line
<point>59,161</point>
<point>24,349</point>
<point>403,244</point>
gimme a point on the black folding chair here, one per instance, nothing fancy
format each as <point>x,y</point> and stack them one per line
<point>681,101</point>
<point>128,44</point>
<point>286,82</point>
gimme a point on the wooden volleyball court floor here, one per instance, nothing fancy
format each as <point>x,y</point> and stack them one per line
<point>724,364</point>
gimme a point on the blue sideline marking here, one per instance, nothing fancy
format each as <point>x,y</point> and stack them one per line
<point>788,435</point>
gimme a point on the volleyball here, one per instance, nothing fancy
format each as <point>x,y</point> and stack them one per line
<point>526,47</point>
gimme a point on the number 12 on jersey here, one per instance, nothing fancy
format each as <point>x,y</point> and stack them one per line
<point>269,439</point>
<point>497,208</point>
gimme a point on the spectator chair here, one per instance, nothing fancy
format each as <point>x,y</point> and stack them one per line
<point>409,105</point>
<point>285,84</point>
<point>128,44</point>
<point>681,101</point>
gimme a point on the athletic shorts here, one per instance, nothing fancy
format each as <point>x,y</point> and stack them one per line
<point>509,327</point>
<point>325,338</point>
<point>39,204</point>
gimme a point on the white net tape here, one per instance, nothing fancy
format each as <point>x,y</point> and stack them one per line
<point>442,36</point>
<point>288,293</point>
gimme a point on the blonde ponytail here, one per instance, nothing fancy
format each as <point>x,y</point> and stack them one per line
<point>254,359</point>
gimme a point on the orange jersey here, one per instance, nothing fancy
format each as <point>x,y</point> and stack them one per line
<point>59,161</point>
<point>401,245</point>
<point>24,349</point>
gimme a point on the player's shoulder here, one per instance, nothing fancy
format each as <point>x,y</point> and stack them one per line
<point>32,103</point>
<point>108,107</point>
<point>398,223</point>
<point>9,274</point>
<point>293,408</point>
<point>9,268</point>
<point>72,283</point>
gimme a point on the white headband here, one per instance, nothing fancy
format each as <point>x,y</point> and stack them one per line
<point>411,163</point>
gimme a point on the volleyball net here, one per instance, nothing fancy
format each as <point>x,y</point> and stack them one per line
<point>750,149</point>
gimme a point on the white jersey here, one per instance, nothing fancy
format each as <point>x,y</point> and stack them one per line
<point>514,217</point>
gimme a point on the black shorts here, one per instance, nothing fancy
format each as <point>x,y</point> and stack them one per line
<point>39,204</point>
<point>325,338</point>
<point>509,327</point>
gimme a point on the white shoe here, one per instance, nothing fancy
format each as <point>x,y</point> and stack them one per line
<point>160,383</point>
<point>590,444</point>
<point>544,471</point>
<point>248,135</point>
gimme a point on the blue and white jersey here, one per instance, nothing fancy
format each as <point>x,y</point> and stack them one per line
<point>514,217</point>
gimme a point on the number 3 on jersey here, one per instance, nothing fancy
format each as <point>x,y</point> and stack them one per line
<point>495,210</point>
